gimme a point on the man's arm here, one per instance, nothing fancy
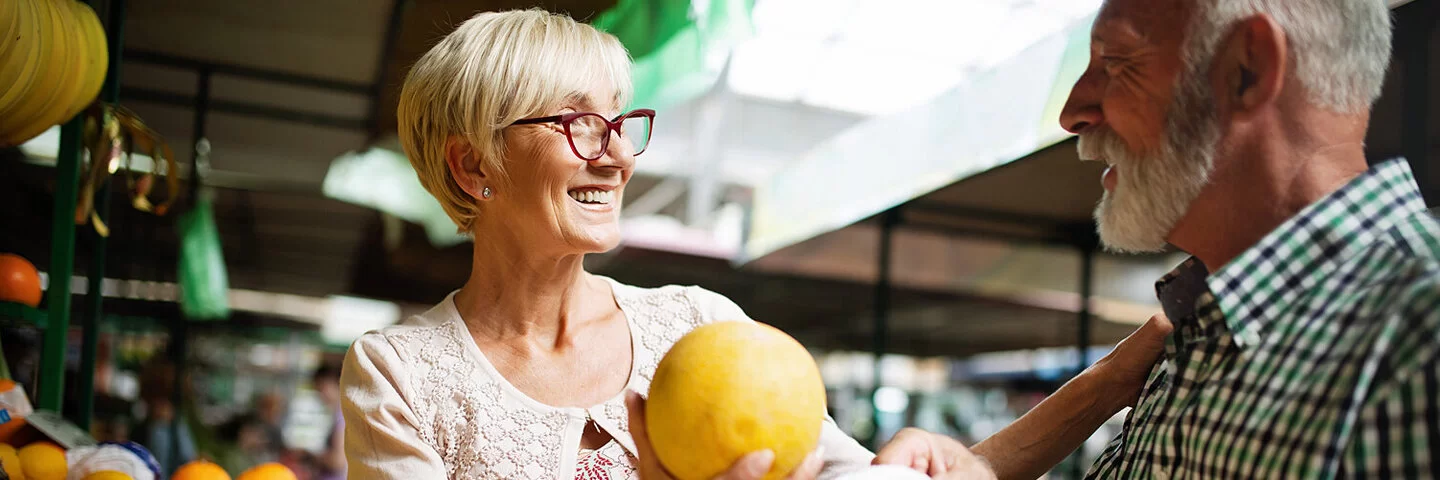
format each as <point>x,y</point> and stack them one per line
<point>1048,433</point>
<point>1041,438</point>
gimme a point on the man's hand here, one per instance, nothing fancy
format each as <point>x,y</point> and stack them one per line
<point>752,466</point>
<point>935,455</point>
<point>1128,366</point>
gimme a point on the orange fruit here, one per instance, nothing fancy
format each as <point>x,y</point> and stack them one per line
<point>44,461</point>
<point>10,462</point>
<point>10,431</point>
<point>731,388</point>
<point>268,471</point>
<point>200,470</point>
<point>19,281</point>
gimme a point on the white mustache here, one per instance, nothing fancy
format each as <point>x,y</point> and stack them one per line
<point>1100,145</point>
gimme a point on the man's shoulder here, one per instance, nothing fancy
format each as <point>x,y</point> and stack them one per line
<point>1419,234</point>
<point>1407,331</point>
<point>1416,272</point>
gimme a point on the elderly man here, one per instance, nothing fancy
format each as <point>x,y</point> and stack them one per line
<point>1307,322</point>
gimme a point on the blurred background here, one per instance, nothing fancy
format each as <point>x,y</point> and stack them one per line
<point>885,181</point>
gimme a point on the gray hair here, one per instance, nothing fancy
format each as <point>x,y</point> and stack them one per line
<point>1341,48</point>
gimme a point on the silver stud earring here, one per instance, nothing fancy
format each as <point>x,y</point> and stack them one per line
<point>486,192</point>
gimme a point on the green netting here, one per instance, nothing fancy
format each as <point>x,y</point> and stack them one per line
<point>204,286</point>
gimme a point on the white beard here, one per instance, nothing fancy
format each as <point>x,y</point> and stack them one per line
<point>1155,189</point>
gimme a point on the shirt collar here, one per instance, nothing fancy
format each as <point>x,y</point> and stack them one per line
<point>1180,290</point>
<point>1256,287</point>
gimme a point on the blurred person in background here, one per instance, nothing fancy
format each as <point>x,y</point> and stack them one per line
<point>330,464</point>
<point>254,437</point>
<point>246,444</point>
<point>163,429</point>
<point>270,411</point>
<point>1307,322</point>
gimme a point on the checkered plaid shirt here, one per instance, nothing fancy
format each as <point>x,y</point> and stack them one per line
<point>1312,355</point>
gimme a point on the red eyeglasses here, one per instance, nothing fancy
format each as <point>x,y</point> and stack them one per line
<point>589,133</point>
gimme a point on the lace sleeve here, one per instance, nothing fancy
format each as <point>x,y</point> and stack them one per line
<point>381,440</point>
<point>714,307</point>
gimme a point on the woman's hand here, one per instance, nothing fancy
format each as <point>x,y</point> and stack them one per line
<point>752,466</point>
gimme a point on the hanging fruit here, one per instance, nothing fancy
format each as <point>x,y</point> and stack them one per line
<point>19,281</point>
<point>113,133</point>
<point>52,69</point>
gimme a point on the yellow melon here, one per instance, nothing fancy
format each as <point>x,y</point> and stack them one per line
<point>730,388</point>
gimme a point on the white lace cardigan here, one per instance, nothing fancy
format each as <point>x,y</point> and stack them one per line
<point>422,402</point>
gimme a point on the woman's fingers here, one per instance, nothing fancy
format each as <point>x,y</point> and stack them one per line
<point>752,466</point>
<point>649,466</point>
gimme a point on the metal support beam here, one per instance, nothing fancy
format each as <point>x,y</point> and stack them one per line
<point>888,221</point>
<point>1087,286</point>
<point>94,308</point>
<point>941,210</point>
<point>243,108</point>
<point>1054,239</point>
<point>94,299</point>
<point>179,330</point>
<point>382,66</point>
<point>1083,339</point>
<point>275,76</point>
<point>51,391</point>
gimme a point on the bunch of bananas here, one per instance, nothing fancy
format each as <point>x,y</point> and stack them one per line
<point>53,56</point>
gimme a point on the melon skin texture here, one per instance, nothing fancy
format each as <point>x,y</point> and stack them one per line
<point>727,389</point>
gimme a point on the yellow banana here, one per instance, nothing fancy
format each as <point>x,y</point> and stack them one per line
<point>98,59</point>
<point>71,57</point>
<point>21,67</point>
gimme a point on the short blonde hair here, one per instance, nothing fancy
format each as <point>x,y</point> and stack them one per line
<point>496,68</point>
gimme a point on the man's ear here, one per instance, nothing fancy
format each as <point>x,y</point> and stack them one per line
<point>464,167</point>
<point>1249,68</point>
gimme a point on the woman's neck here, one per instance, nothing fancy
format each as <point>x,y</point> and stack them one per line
<point>518,294</point>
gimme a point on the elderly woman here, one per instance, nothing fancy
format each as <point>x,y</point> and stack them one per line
<point>514,123</point>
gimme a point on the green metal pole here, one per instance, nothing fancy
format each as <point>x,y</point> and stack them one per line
<point>95,297</point>
<point>62,261</point>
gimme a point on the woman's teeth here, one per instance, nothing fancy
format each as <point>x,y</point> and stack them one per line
<point>600,197</point>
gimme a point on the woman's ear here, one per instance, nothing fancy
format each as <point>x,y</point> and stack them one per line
<point>465,168</point>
